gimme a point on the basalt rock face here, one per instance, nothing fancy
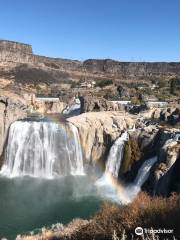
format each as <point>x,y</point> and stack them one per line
<point>10,111</point>
<point>15,52</point>
<point>98,131</point>
<point>142,145</point>
<point>97,104</point>
<point>22,53</point>
<point>154,141</point>
<point>18,63</point>
<point>15,46</point>
<point>132,69</point>
<point>169,152</point>
<point>22,66</point>
<point>169,115</point>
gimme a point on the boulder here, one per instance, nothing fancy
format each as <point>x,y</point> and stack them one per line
<point>91,103</point>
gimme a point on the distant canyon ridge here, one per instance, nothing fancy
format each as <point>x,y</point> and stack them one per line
<point>20,67</point>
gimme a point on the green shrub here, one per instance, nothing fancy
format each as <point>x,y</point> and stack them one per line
<point>104,82</point>
<point>174,85</point>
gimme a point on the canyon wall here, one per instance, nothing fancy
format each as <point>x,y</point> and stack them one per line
<point>22,53</point>
<point>15,52</point>
<point>18,61</point>
<point>132,70</point>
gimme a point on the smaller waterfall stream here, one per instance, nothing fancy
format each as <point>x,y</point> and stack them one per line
<point>116,155</point>
<point>42,149</point>
<point>144,172</point>
<point>132,190</point>
<point>109,185</point>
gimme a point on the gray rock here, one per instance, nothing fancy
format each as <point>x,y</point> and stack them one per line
<point>96,104</point>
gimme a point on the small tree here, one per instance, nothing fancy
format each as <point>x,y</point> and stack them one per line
<point>174,85</point>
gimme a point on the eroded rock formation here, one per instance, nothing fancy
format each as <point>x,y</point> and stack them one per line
<point>98,130</point>
<point>48,107</point>
<point>90,103</point>
<point>169,153</point>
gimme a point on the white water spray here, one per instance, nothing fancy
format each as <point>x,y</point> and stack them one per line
<point>42,149</point>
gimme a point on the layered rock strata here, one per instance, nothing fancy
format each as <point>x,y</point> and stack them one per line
<point>19,63</point>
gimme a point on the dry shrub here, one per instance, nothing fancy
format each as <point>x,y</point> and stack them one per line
<point>145,211</point>
<point>114,222</point>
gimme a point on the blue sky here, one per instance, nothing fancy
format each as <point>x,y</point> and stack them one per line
<point>126,30</point>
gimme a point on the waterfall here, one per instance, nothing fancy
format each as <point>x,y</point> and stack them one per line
<point>106,182</point>
<point>42,149</point>
<point>144,172</point>
<point>78,152</point>
<point>116,155</point>
<point>110,187</point>
<point>131,191</point>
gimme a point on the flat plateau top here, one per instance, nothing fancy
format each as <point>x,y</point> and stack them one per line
<point>13,42</point>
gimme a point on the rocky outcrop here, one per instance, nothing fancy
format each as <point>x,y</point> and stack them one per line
<point>10,111</point>
<point>15,46</point>
<point>98,130</point>
<point>18,63</point>
<point>132,154</point>
<point>48,107</point>
<point>142,145</point>
<point>169,115</point>
<point>131,70</point>
<point>135,109</point>
<point>169,153</point>
<point>91,103</point>
<point>15,52</point>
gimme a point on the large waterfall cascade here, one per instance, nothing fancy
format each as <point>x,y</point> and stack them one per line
<point>42,149</point>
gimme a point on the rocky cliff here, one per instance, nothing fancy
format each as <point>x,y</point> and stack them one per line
<point>99,130</point>
<point>17,62</point>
